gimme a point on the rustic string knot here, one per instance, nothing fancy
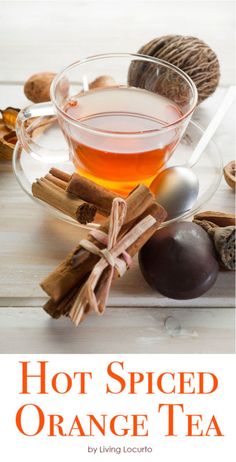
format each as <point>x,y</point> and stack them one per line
<point>118,214</point>
<point>114,256</point>
<point>116,263</point>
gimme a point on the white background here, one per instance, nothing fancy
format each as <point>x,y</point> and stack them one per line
<point>221,403</point>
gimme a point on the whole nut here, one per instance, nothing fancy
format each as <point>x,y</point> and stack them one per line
<point>230,174</point>
<point>37,87</point>
<point>102,81</point>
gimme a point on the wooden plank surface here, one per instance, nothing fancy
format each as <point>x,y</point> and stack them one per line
<point>121,330</point>
<point>50,36</point>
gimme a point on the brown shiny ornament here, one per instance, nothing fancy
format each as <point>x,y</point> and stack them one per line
<point>179,261</point>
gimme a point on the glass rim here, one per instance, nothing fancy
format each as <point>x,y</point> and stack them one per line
<point>147,58</point>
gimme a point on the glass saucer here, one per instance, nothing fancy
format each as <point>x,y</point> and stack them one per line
<point>208,169</point>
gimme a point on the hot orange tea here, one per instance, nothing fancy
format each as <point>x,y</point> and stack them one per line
<point>121,144</point>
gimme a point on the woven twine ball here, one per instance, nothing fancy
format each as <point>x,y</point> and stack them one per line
<point>190,54</point>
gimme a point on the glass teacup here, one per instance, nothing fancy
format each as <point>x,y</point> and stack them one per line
<point>121,114</point>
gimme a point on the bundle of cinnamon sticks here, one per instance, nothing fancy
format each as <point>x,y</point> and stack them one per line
<point>65,283</point>
<point>73,195</point>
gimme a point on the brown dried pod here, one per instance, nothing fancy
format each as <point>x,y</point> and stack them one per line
<point>218,218</point>
<point>9,116</point>
<point>7,145</point>
<point>190,54</point>
<point>37,87</point>
<point>7,141</point>
<point>230,174</point>
<point>224,242</point>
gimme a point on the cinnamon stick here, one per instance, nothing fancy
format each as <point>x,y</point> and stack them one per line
<point>62,184</point>
<point>64,305</point>
<point>60,174</point>
<point>62,308</point>
<point>91,192</point>
<point>55,196</point>
<point>83,188</point>
<point>160,215</point>
<point>80,262</point>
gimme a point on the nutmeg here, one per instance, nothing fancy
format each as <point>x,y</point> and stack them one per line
<point>37,87</point>
<point>102,81</point>
<point>230,174</point>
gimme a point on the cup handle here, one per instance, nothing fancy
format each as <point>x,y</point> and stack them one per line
<point>41,153</point>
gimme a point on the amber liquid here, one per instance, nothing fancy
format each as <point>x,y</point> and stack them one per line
<point>122,154</point>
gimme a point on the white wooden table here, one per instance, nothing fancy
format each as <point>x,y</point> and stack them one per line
<point>137,320</point>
